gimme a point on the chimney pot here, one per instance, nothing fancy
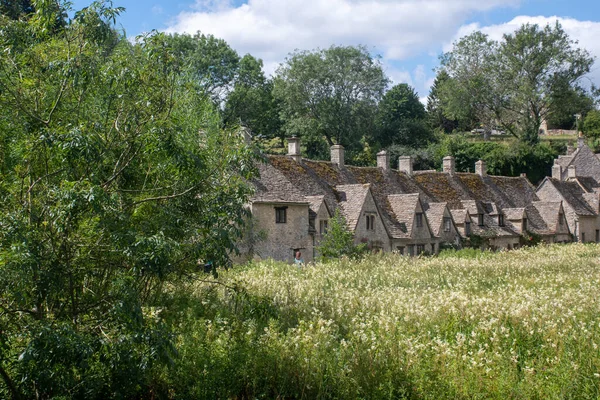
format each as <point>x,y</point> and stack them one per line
<point>405,164</point>
<point>480,168</point>
<point>337,155</point>
<point>448,165</point>
<point>580,140</point>
<point>383,160</point>
<point>294,148</point>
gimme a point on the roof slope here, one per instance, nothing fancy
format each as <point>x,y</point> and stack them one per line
<point>273,187</point>
<point>572,192</point>
<point>435,216</point>
<point>403,208</point>
<point>351,200</point>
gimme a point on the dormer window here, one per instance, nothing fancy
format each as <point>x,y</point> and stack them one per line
<point>561,219</point>
<point>467,228</point>
<point>524,224</point>
<point>480,219</point>
<point>447,224</point>
<point>500,219</point>
<point>323,225</point>
<point>280,215</point>
<point>419,218</point>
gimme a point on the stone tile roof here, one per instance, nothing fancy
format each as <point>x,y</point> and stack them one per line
<point>435,216</point>
<point>545,215</point>
<point>459,215</point>
<point>585,161</point>
<point>315,202</point>
<point>514,214</point>
<point>572,192</point>
<point>274,187</point>
<point>351,200</point>
<point>588,183</point>
<point>403,208</point>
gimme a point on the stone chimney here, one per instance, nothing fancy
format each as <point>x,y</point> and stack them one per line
<point>557,172</point>
<point>383,160</point>
<point>294,148</point>
<point>448,165</point>
<point>405,164</point>
<point>580,140</point>
<point>523,175</point>
<point>570,149</point>
<point>571,172</point>
<point>337,155</point>
<point>480,168</point>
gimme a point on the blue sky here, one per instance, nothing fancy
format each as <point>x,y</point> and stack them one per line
<point>408,34</point>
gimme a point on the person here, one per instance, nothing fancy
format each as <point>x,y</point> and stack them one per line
<point>298,259</point>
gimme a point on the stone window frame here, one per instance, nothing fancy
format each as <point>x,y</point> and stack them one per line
<point>280,215</point>
<point>420,249</point>
<point>419,219</point>
<point>480,220</point>
<point>323,226</point>
<point>524,224</point>
<point>501,220</point>
<point>370,221</point>
<point>447,224</point>
<point>467,228</point>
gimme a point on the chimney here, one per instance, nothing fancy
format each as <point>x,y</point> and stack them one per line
<point>480,168</point>
<point>383,160</point>
<point>294,148</point>
<point>523,175</point>
<point>448,165</point>
<point>580,140</point>
<point>337,155</point>
<point>571,173</point>
<point>557,172</point>
<point>570,149</point>
<point>405,164</point>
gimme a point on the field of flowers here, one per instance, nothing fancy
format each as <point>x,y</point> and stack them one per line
<point>519,324</point>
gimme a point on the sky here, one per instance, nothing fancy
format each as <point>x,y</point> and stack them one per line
<point>408,35</point>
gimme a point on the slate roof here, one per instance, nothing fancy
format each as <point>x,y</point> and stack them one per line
<point>514,214</point>
<point>435,216</point>
<point>459,215</point>
<point>314,202</point>
<point>273,187</point>
<point>588,183</point>
<point>403,208</point>
<point>572,192</point>
<point>351,200</point>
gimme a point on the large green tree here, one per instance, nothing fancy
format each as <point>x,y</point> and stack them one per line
<point>331,94</point>
<point>115,179</point>
<point>512,83</point>
<point>436,117</point>
<point>400,118</point>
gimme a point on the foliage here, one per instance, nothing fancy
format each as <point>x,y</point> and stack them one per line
<point>471,324</point>
<point>400,118</point>
<point>435,107</point>
<point>591,124</point>
<point>251,102</point>
<point>338,241</point>
<point>423,158</point>
<point>115,180</point>
<point>330,94</point>
<point>514,83</point>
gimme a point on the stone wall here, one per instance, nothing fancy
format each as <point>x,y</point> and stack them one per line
<point>377,236</point>
<point>283,238</point>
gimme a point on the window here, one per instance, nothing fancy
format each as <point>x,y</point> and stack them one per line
<point>561,219</point>
<point>411,250</point>
<point>400,249</point>
<point>280,215</point>
<point>582,237</point>
<point>323,225</point>
<point>597,235</point>
<point>419,220</point>
<point>500,219</point>
<point>467,228</point>
<point>447,224</point>
<point>370,222</point>
<point>524,224</point>
<point>480,219</point>
<point>420,249</point>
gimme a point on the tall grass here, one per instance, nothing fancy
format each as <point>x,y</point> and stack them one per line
<point>520,324</point>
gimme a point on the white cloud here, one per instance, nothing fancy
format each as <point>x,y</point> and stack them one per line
<point>271,29</point>
<point>586,33</point>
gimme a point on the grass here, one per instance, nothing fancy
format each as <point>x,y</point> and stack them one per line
<point>520,324</point>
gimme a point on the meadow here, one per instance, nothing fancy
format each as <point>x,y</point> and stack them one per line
<point>523,324</point>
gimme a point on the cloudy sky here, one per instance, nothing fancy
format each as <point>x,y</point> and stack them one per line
<point>409,35</point>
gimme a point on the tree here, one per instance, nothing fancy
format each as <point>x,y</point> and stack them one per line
<point>251,102</point>
<point>591,124</point>
<point>210,61</point>
<point>435,108</point>
<point>115,180</point>
<point>401,118</point>
<point>330,94</point>
<point>511,83</point>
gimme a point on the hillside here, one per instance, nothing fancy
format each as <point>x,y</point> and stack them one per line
<point>520,324</point>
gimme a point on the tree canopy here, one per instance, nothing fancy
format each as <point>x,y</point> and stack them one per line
<point>512,83</point>
<point>116,178</point>
<point>330,93</point>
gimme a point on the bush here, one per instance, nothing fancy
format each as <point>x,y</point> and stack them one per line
<point>339,241</point>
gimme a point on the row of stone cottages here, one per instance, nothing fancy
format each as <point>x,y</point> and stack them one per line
<point>413,212</point>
